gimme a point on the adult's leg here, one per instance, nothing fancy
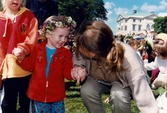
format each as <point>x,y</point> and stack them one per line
<point>91,92</point>
<point>120,99</point>
<point>24,101</point>
<point>10,95</point>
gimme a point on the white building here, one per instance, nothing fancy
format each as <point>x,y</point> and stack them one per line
<point>133,24</point>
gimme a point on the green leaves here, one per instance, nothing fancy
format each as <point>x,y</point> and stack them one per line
<point>81,10</point>
<point>160,24</point>
<point>158,91</point>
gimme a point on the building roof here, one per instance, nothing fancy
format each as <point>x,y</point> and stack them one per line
<point>136,15</point>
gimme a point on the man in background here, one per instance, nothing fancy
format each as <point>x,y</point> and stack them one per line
<point>42,9</point>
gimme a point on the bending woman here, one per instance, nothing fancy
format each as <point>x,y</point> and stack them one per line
<point>111,66</point>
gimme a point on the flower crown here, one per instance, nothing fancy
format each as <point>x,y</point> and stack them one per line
<point>59,21</point>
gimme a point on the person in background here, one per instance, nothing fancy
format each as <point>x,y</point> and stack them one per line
<point>50,63</point>
<point>111,66</point>
<point>135,44</point>
<point>160,62</point>
<point>42,9</point>
<point>143,34</point>
<point>152,33</point>
<point>19,29</point>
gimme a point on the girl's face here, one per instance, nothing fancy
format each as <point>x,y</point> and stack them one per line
<point>58,37</point>
<point>13,5</point>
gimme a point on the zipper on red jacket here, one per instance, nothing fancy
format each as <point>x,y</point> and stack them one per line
<point>48,77</point>
<point>46,90</point>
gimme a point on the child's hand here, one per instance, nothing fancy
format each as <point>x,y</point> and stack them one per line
<point>18,53</point>
<point>79,74</point>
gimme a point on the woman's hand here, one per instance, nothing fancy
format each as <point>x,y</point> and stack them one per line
<point>79,74</point>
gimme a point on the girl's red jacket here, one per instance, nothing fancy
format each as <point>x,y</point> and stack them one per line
<point>21,32</point>
<point>49,89</point>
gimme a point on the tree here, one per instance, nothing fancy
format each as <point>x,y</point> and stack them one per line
<point>81,10</point>
<point>160,24</point>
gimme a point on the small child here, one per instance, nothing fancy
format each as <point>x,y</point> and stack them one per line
<point>50,62</point>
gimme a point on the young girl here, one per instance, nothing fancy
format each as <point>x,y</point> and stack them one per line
<point>160,49</point>
<point>18,30</point>
<point>50,63</point>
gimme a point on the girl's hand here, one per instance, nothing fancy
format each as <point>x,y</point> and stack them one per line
<point>18,53</point>
<point>78,73</point>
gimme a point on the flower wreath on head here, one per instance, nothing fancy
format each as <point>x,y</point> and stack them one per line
<point>60,22</point>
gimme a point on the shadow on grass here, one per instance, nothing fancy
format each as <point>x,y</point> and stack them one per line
<point>72,89</point>
<point>69,84</point>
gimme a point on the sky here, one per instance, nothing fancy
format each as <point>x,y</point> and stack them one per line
<point>123,7</point>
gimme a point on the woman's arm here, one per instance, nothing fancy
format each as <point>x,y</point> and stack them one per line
<point>79,72</point>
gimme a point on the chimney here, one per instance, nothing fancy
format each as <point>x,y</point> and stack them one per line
<point>152,12</point>
<point>134,11</point>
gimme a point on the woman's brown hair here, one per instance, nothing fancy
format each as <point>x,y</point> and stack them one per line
<point>97,37</point>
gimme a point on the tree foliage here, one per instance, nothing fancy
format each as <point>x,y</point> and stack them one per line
<point>81,10</point>
<point>160,24</point>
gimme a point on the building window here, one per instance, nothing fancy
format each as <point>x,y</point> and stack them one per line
<point>139,28</point>
<point>121,28</point>
<point>133,27</point>
<point>126,21</point>
<point>125,28</point>
<point>140,21</point>
<point>148,26</point>
<point>134,20</point>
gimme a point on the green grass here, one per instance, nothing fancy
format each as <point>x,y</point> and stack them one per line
<point>73,102</point>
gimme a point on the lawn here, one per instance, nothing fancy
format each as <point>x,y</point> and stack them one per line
<point>73,102</point>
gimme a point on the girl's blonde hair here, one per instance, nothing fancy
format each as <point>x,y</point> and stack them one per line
<point>96,37</point>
